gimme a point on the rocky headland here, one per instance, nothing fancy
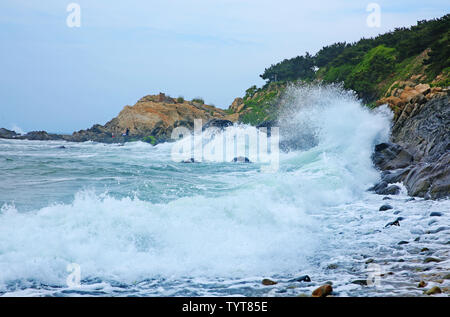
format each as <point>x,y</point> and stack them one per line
<point>151,120</point>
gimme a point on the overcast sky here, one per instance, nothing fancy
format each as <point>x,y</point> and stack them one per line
<point>62,79</point>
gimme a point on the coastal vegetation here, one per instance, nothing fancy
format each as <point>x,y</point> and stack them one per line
<point>372,67</point>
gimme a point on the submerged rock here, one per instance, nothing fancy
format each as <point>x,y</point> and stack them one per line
<point>430,259</point>
<point>433,290</point>
<point>360,282</point>
<point>436,214</point>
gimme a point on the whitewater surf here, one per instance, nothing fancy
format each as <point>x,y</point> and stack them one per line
<point>134,221</point>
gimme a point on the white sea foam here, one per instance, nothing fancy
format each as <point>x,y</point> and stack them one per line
<point>263,224</point>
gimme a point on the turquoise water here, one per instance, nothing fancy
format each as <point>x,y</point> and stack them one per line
<point>138,223</point>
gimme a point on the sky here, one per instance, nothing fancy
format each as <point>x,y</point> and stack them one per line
<point>63,79</point>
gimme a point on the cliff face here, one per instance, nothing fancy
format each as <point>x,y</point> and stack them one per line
<point>419,155</point>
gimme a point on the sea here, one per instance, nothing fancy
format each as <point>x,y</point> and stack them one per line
<point>132,219</point>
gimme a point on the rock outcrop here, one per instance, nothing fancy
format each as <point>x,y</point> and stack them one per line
<point>419,155</point>
<point>152,118</point>
<point>8,134</point>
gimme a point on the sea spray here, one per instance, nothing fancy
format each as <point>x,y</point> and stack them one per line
<point>208,220</point>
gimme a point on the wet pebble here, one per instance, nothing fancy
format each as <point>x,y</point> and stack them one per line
<point>267,282</point>
<point>322,291</point>
<point>422,284</point>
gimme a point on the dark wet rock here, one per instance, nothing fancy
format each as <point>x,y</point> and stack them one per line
<point>8,134</point>
<point>385,207</point>
<point>430,180</point>
<point>396,222</point>
<point>391,190</point>
<point>410,199</point>
<point>191,160</point>
<point>369,261</point>
<point>217,123</point>
<point>390,156</point>
<point>322,291</point>
<point>417,239</point>
<point>360,282</point>
<point>430,259</point>
<point>395,176</point>
<point>241,159</point>
<point>436,214</point>
<point>377,188</point>
<point>267,282</point>
<point>424,250</point>
<point>303,278</point>
<point>422,284</point>
<point>62,147</point>
<point>387,198</point>
<point>418,154</point>
<point>403,242</point>
<point>397,212</point>
<point>425,134</point>
<point>433,290</point>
